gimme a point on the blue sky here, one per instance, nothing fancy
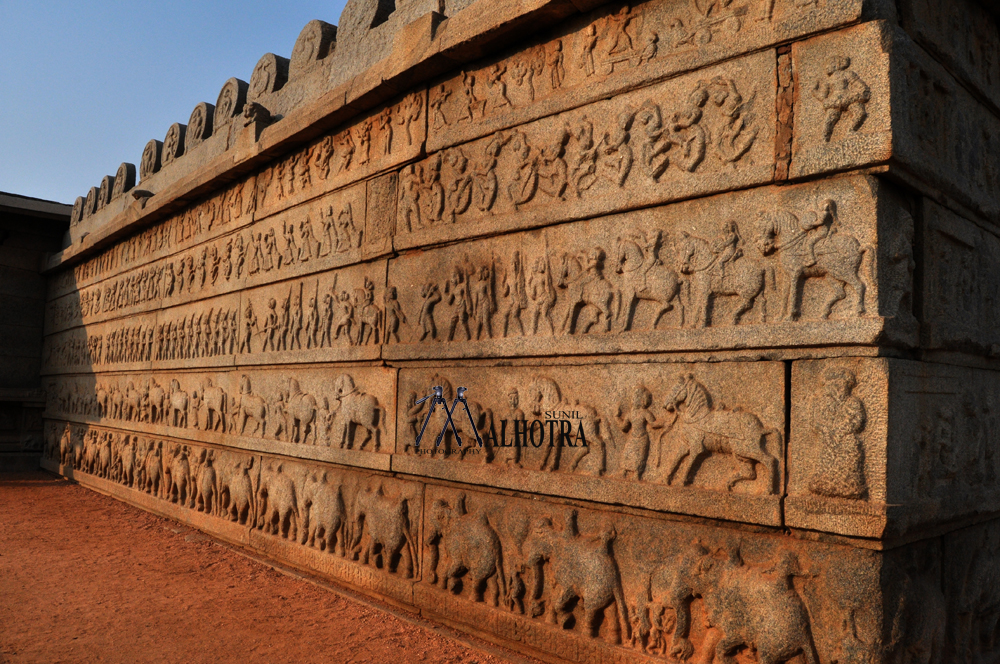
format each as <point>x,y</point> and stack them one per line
<point>84,85</point>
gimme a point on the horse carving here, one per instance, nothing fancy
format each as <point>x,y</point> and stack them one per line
<point>709,277</point>
<point>357,410</point>
<point>178,408</point>
<point>582,277</point>
<point>644,278</point>
<point>215,402</point>
<point>812,246</point>
<point>251,407</point>
<point>700,428</point>
<point>300,412</point>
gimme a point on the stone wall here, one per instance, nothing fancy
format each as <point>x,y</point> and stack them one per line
<point>743,248</point>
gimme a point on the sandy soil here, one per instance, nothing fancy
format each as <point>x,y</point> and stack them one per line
<point>84,578</point>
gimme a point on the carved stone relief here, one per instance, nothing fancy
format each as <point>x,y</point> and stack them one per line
<point>568,581</point>
<point>678,437</point>
<point>355,519</point>
<point>325,315</point>
<point>582,585</point>
<point>961,264</point>
<point>173,144</point>
<point>316,42</point>
<point>269,76</point>
<point>387,136</point>
<point>616,48</point>
<point>230,104</point>
<point>347,411</point>
<point>230,208</point>
<point>199,126</point>
<point>755,260</point>
<point>847,116</point>
<point>838,454</point>
<point>694,134</point>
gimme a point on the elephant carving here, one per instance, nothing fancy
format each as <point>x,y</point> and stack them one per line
<point>748,607</point>
<point>277,501</point>
<point>323,513</point>
<point>583,572</point>
<point>472,552</point>
<point>179,484</point>
<point>206,499</point>
<point>66,452</point>
<point>236,494</point>
<point>152,464</point>
<point>387,524</point>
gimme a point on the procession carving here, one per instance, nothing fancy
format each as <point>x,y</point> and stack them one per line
<point>524,168</point>
<point>671,355</point>
<point>335,512</point>
<point>680,438</point>
<point>338,414</point>
<point>566,571</point>
<point>763,271</point>
<point>618,41</point>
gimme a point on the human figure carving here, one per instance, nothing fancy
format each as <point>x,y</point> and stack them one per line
<point>811,245</point>
<point>636,424</point>
<point>842,93</point>
<point>438,99</point>
<point>839,418</point>
<point>393,315</point>
<point>494,79</point>
<point>431,295</point>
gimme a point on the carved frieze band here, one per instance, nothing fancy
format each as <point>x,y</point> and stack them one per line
<point>512,567</point>
<point>758,268</point>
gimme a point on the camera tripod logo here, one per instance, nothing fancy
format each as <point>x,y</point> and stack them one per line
<point>437,399</point>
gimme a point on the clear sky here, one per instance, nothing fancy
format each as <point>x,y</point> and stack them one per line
<point>84,85</point>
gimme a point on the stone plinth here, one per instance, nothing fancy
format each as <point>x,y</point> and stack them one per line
<point>718,278</point>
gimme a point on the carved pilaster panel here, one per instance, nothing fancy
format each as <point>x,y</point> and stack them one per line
<point>882,447</point>
<point>961,268</point>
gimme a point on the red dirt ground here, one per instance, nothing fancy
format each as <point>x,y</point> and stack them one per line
<point>85,578</point>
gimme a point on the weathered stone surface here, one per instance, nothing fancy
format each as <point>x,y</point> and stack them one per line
<point>742,248</point>
<point>963,36</point>
<point>674,437</point>
<point>655,279</point>
<point>614,49</point>
<point>847,115</point>
<point>608,156</point>
<point>510,567</point>
<point>961,271</point>
<point>349,413</point>
<point>880,447</point>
